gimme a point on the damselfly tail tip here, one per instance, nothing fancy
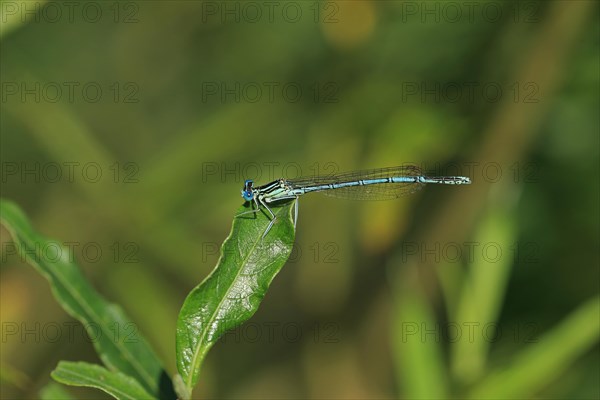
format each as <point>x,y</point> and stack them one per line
<point>446,180</point>
<point>455,180</point>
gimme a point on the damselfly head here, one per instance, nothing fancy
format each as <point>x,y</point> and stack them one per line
<point>247,193</point>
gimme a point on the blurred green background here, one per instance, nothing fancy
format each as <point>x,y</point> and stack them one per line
<point>485,291</point>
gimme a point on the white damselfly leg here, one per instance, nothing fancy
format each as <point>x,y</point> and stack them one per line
<point>296,212</point>
<point>273,218</point>
<point>252,211</point>
<point>273,215</point>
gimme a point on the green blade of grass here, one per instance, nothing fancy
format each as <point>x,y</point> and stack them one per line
<point>231,294</point>
<point>542,362</point>
<point>13,18</point>
<point>10,375</point>
<point>130,353</point>
<point>484,287</point>
<point>117,384</point>
<point>54,391</point>
<point>417,351</point>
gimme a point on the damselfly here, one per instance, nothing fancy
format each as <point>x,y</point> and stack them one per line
<point>374,184</point>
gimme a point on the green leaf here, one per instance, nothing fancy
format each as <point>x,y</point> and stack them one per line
<point>231,294</point>
<point>115,337</point>
<point>117,384</point>
<point>542,362</point>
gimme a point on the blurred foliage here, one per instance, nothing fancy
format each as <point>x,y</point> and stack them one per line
<point>121,348</point>
<point>173,157</point>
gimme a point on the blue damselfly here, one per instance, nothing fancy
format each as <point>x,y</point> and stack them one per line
<point>374,184</point>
